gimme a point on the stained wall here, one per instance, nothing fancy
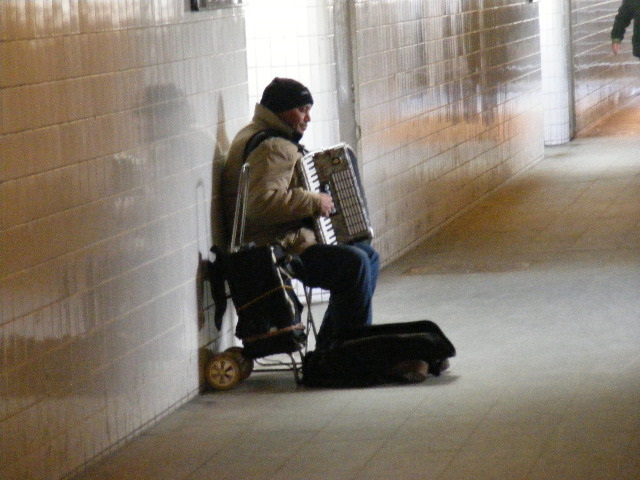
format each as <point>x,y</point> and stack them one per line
<point>449,107</point>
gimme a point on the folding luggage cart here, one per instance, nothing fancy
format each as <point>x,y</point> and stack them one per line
<point>269,312</point>
<point>225,370</point>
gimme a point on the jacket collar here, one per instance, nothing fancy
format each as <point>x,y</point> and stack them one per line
<point>266,119</point>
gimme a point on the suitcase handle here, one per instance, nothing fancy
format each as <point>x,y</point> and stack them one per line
<point>237,235</point>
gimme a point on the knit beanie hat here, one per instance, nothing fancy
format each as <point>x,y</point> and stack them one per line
<point>283,94</point>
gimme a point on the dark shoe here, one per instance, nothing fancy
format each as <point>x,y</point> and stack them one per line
<point>445,365</point>
<point>439,366</point>
<point>409,371</point>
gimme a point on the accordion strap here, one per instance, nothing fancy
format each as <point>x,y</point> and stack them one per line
<point>258,138</point>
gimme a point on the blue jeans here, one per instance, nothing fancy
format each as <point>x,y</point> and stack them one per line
<point>350,274</point>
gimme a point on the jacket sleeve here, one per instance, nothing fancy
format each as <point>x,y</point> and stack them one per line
<point>272,198</point>
<point>622,21</point>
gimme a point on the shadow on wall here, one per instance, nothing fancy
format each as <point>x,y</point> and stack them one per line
<point>182,148</point>
<point>219,230</point>
<point>211,339</point>
<point>104,324</point>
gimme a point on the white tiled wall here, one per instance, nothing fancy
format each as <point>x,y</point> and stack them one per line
<point>294,38</point>
<point>448,104</point>
<point>112,112</point>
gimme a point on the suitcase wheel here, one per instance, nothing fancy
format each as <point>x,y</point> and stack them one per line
<point>246,364</point>
<point>222,371</point>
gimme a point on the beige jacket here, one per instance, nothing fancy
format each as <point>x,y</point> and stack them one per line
<point>277,203</point>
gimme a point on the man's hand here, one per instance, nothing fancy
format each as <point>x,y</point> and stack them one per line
<point>326,204</point>
<point>615,47</point>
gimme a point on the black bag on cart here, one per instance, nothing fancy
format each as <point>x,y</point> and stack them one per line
<point>269,312</point>
<point>366,354</point>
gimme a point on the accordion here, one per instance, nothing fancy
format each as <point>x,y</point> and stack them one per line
<point>335,171</point>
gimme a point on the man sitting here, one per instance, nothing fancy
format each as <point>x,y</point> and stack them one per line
<point>279,209</point>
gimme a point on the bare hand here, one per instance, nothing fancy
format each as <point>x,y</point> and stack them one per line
<point>615,47</point>
<point>326,204</point>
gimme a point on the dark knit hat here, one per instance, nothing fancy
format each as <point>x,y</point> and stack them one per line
<point>283,94</point>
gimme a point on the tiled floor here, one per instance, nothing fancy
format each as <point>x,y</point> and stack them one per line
<point>539,289</point>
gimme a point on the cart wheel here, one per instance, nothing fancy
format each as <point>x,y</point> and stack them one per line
<point>223,371</point>
<point>246,364</point>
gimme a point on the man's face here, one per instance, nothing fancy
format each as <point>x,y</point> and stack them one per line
<point>297,118</point>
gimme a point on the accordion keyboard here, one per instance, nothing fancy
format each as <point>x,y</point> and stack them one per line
<point>331,171</point>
